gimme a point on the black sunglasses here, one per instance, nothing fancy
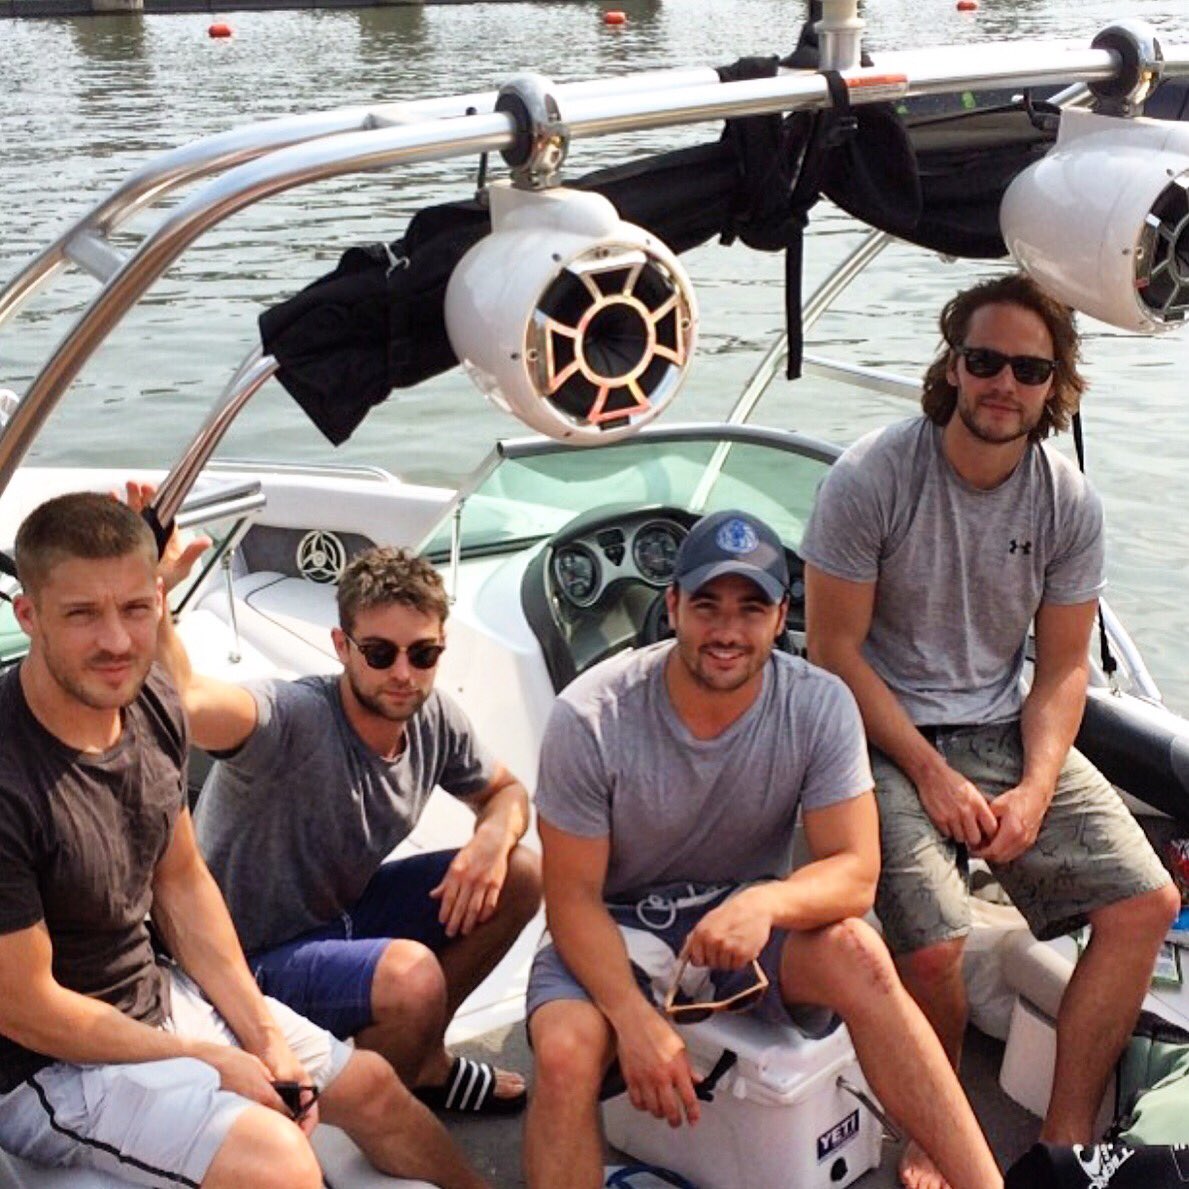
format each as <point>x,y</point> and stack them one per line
<point>382,654</point>
<point>292,1093</point>
<point>1027,369</point>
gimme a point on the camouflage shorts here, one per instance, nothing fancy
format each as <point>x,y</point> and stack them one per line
<point>1090,851</point>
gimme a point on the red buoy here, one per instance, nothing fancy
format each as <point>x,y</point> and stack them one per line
<point>219,29</point>
<point>615,16</point>
<point>967,5</point>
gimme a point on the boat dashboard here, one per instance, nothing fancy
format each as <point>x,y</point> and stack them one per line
<point>598,586</point>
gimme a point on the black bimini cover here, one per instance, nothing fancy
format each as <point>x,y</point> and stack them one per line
<point>935,178</point>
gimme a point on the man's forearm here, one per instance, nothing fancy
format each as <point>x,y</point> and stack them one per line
<point>505,815</point>
<point>820,893</point>
<point>591,946</point>
<point>1049,722</point>
<point>80,1030</point>
<point>885,720</point>
<point>197,928</point>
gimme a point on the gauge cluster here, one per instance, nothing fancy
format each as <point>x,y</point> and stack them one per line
<point>643,550</point>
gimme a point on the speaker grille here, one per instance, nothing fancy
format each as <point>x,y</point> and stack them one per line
<point>1162,264</point>
<point>610,337</point>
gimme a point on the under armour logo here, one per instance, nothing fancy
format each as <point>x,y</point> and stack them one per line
<point>1020,546</point>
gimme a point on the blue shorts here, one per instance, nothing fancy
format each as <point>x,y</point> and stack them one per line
<point>326,974</point>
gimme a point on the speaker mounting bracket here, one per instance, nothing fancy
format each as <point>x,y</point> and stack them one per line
<point>542,136</point>
<point>1141,65</point>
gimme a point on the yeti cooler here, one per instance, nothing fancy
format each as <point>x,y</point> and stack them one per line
<point>777,1117</point>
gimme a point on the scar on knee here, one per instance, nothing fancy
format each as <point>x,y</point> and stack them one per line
<point>860,944</point>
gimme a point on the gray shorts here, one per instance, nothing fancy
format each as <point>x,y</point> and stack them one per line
<point>654,929</point>
<point>1090,851</point>
<point>152,1123</point>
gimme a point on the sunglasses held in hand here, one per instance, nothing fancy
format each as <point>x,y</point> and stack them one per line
<point>691,1013</point>
<point>382,654</point>
<point>984,363</point>
<point>290,1093</point>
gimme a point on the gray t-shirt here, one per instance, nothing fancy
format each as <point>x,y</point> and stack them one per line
<point>960,571</point>
<point>295,823</point>
<point>617,760</point>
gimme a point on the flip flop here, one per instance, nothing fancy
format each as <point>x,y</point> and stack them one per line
<point>470,1089</point>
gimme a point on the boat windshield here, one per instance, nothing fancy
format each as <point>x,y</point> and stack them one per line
<point>531,495</point>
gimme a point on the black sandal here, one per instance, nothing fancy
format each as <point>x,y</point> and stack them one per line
<point>470,1089</point>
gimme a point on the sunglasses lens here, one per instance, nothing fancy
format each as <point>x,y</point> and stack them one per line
<point>379,654</point>
<point>425,656</point>
<point>983,363</point>
<point>1031,369</point>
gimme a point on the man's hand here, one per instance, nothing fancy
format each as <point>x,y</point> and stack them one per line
<point>471,889</point>
<point>957,808</point>
<point>732,934</point>
<point>1018,813</point>
<point>285,1067</point>
<point>248,1076</point>
<point>180,555</point>
<point>654,1065</point>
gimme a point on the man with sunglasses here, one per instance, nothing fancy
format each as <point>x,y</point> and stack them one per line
<point>933,546</point>
<point>316,781</point>
<point>153,1072</point>
<point>669,786</point>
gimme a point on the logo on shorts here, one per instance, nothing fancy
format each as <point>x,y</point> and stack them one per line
<point>736,536</point>
<point>838,1135</point>
<point>1100,1164</point>
<point>1024,547</point>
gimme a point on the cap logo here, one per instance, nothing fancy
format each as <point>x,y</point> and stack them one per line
<point>736,536</point>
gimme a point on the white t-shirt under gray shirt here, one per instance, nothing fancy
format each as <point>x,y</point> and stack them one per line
<point>961,571</point>
<point>295,823</point>
<point>617,761</point>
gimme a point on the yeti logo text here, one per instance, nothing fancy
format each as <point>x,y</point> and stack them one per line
<point>841,1133</point>
<point>1099,1164</point>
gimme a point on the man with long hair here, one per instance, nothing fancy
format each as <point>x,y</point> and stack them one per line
<point>933,546</point>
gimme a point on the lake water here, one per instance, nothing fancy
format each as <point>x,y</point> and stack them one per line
<point>86,100</point>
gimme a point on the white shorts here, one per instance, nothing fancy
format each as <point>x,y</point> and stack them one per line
<point>154,1123</point>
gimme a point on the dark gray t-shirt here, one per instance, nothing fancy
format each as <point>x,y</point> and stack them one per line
<point>617,760</point>
<point>80,838</point>
<point>295,823</point>
<point>960,571</point>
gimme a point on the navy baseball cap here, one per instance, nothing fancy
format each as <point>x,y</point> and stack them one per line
<point>732,543</point>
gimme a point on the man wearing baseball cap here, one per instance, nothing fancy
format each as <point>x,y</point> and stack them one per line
<point>669,785</point>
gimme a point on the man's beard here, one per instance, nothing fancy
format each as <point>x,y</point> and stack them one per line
<point>691,660</point>
<point>374,704</point>
<point>74,684</point>
<point>968,412</point>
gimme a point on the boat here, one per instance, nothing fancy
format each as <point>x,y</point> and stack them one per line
<point>566,302</point>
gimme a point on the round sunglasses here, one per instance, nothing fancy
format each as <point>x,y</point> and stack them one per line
<point>984,363</point>
<point>382,654</point>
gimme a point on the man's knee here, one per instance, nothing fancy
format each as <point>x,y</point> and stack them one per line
<point>521,894</point>
<point>265,1150</point>
<point>408,983</point>
<point>571,1049</point>
<point>371,1096</point>
<point>1148,914</point>
<point>932,965</point>
<point>838,965</point>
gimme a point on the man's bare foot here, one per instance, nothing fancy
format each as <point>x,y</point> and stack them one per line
<point>917,1171</point>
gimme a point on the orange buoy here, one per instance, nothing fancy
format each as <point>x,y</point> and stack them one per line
<point>967,5</point>
<point>615,16</point>
<point>219,29</point>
